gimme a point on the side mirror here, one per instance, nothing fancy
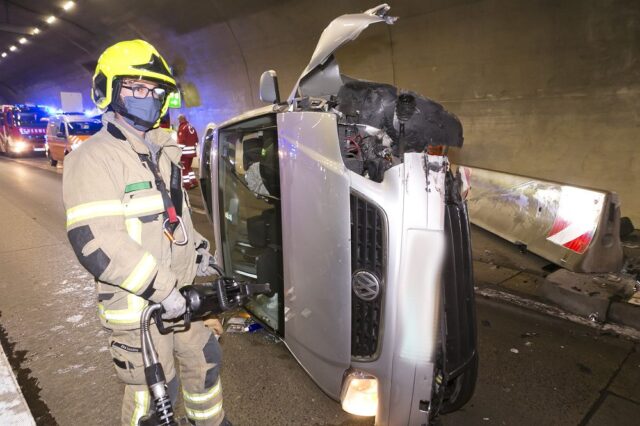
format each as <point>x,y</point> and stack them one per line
<point>269,91</point>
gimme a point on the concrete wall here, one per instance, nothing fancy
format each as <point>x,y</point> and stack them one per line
<point>544,88</point>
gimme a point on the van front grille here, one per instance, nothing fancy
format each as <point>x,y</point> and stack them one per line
<point>368,253</point>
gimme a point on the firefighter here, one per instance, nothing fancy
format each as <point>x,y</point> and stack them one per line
<point>187,140</point>
<point>129,224</point>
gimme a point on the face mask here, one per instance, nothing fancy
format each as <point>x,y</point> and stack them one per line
<point>147,109</point>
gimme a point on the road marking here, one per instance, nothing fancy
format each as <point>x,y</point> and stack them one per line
<point>199,211</point>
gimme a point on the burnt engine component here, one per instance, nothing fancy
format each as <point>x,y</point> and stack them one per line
<point>405,108</point>
<point>429,125</point>
<point>363,102</point>
<point>425,122</point>
<point>366,150</point>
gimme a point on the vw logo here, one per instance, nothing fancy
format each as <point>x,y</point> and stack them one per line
<point>365,285</point>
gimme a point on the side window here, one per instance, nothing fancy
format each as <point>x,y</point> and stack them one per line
<point>62,130</point>
<point>250,218</point>
<point>256,162</point>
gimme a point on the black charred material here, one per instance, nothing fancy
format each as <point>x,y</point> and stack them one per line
<point>431,125</point>
<point>376,168</point>
<point>363,102</point>
<point>425,121</point>
<point>406,107</point>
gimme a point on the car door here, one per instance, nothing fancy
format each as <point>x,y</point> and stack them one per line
<point>316,234</point>
<point>294,236</point>
<point>248,215</point>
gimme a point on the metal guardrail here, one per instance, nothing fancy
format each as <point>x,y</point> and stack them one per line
<point>576,228</point>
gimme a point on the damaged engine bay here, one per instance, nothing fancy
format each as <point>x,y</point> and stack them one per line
<point>377,124</point>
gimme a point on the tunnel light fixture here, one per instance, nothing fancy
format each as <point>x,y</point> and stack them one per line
<point>13,48</point>
<point>50,19</point>
<point>3,54</point>
<point>35,31</point>
<point>68,5</point>
<point>22,40</point>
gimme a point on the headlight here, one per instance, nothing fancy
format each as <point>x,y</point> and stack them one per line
<point>360,394</point>
<point>19,145</point>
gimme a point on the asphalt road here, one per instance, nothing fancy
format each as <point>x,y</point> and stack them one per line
<point>534,370</point>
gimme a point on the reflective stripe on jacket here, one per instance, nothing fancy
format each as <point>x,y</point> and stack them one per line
<point>114,222</point>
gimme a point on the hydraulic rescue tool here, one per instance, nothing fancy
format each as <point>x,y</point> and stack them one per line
<point>203,300</point>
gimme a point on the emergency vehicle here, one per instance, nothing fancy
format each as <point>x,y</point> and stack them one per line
<point>66,132</point>
<point>22,129</point>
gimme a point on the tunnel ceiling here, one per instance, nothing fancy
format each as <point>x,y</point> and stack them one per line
<point>77,37</point>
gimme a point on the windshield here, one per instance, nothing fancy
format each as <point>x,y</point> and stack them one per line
<point>31,117</point>
<point>88,127</point>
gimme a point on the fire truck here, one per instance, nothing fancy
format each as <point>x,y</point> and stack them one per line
<point>22,129</point>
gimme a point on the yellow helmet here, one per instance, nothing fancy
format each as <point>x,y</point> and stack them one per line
<point>134,59</point>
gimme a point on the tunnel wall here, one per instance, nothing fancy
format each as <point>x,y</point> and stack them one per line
<point>544,88</point>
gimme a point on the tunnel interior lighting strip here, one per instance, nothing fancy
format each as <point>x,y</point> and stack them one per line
<point>50,19</point>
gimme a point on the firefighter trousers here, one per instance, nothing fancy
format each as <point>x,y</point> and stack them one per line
<point>199,359</point>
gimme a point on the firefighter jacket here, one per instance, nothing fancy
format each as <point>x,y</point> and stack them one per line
<point>187,139</point>
<point>115,214</point>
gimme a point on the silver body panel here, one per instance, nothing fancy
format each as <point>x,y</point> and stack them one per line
<point>316,247</point>
<point>324,79</point>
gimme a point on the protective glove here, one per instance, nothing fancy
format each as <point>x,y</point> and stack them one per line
<point>174,305</point>
<point>206,265</point>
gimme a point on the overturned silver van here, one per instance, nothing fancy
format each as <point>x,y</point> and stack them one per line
<point>342,198</point>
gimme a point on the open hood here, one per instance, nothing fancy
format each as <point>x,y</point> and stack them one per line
<point>322,76</point>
